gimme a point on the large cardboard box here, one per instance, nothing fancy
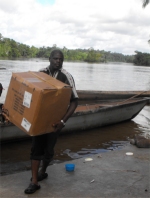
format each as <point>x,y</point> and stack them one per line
<point>35,101</point>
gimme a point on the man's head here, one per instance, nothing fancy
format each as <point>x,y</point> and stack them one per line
<point>56,59</point>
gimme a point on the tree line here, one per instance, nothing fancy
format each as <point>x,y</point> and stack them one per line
<point>9,48</point>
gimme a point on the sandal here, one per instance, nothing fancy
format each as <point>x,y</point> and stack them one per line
<point>32,188</point>
<point>41,176</point>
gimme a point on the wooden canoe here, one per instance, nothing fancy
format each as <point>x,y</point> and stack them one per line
<point>85,95</point>
<point>87,116</point>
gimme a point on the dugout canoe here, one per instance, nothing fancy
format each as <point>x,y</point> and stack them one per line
<point>87,116</point>
<point>87,95</point>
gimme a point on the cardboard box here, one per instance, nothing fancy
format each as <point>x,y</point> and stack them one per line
<point>35,101</point>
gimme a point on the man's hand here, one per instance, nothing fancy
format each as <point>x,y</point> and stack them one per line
<point>4,119</point>
<point>58,126</point>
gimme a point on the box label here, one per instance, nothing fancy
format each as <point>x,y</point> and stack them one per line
<point>27,99</point>
<point>26,124</point>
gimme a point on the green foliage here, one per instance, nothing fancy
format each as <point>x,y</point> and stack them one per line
<point>74,55</point>
<point>12,49</point>
<point>93,56</point>
<point>43,52</point>
<point>33,51</point>
<point>142,59</point>
<point>4,47</point>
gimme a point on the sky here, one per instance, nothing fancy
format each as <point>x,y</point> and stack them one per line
<point>121,26</point>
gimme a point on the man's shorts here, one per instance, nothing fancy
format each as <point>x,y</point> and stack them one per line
<point>43,146</point>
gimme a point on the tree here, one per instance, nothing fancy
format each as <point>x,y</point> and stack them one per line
<point>33,51</point>
<point>93,56</point>
<point>145,3</point>
<point>142,59</point>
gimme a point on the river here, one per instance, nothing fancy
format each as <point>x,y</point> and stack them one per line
<point>87,76</point>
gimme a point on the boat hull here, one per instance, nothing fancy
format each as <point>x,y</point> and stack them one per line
<point>86,117</point>
<point>104,116</point>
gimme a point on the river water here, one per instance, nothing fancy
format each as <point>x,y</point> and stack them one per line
<point>87,76</point>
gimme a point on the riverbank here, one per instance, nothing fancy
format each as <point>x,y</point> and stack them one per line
<point>110,174</point>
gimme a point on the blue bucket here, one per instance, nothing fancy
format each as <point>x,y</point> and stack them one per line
<point>70,167</point>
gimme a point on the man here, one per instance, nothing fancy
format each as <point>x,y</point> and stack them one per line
<point>43,145</point>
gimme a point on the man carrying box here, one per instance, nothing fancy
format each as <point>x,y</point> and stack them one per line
<point>43,145</point>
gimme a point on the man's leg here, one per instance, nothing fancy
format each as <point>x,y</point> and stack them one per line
<point>35,164</point>
<point>33,186</point>
<point>49,151</point>
<point>44,167</point>
<point>37,153</point>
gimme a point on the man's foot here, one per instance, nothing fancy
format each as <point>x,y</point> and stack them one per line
<point>32,188</point>
<point>41,176</point>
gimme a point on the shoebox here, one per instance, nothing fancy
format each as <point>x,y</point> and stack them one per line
<point>35,101</point>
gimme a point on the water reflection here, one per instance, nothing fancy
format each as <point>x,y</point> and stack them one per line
<point>143,121</point>
<point>83,144</point>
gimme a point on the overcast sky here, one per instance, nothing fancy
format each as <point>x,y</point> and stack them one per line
<point>121,26</point>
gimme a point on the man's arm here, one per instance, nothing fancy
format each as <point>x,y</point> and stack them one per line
<point>73,104</point>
